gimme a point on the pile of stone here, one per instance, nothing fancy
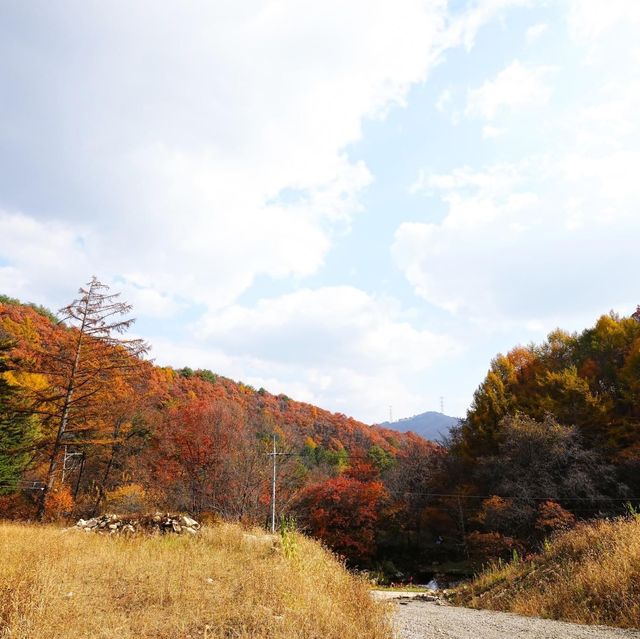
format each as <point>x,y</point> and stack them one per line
<point>127,524</point>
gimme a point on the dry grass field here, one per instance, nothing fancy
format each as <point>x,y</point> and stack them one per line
<point>588,575</point>
<point>224,582</point>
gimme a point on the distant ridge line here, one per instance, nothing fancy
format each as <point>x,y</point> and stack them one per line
<point>431,425</point>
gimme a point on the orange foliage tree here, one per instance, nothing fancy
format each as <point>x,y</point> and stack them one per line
<point>73,367</point>
<point>344,511</point>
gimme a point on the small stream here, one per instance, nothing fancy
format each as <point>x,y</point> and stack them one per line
<point>442,582</point>
<point>436,581</point>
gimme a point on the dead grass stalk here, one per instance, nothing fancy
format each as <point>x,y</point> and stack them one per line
<point>221,583</point>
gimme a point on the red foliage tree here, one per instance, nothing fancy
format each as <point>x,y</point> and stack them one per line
<point>194,443</point>
<point>344,512</point>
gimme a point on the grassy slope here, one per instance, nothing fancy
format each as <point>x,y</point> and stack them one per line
<point>588,575</point>
<point>222,583</point>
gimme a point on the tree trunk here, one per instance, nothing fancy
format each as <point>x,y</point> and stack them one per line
<point>62,424</point>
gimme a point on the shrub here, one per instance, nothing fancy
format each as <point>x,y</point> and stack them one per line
<point>589,574</point>
<point>487,546</point>
<point>59,503</point>
<point>130,498</point>
<point>552,516</point>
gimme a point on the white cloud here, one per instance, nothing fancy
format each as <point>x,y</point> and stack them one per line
<point>590,20</point>
<point>334,326</point>
<point>547,239</point>
<point>204,147</point>
<point>535,241</point>
<point>464,26</point>
<point>55,251</point>
<point>535,32</point>
<point>489,131</point>
<point>329,346</point>
<point>182,155</point>
<point>516,86</point>
<point>443,101</point>
<point>497,180</point>
<point>608,33</point>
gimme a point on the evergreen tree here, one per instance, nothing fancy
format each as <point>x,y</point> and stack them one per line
<point>15,428</point>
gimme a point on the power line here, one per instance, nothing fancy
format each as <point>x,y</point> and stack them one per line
<point>19,487</point>
<point>467,496</point>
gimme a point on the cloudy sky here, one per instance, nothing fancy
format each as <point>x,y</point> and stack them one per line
<point>357,203</point>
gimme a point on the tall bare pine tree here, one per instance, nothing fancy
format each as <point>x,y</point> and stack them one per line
<point>81,367</point>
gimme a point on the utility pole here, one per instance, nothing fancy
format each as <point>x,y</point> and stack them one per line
<point>273,488</point>
<point>64,464</point>
<point>67,462</point>
<point>82,460</point>
<point>274,453</point>
<point>462,527</point>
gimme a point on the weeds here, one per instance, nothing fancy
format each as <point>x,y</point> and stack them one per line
<point>289,537</point>
<point>590,575</point>
<point>224,582</point>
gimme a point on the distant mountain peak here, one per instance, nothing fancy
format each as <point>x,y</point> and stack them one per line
<point>430,425</point>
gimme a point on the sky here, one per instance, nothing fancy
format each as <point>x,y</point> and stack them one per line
<point>358,204</point>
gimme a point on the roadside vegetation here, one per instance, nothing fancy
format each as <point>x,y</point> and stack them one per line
<point>223,582</point>
<point>89,426</point>
<point>588,575</point>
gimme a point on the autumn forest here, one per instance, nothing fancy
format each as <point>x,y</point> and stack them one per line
<point>88,424</point>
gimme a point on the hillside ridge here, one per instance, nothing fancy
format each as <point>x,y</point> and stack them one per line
<point>431,425</point>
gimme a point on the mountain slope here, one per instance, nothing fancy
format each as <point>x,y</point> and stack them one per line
<point>27,328</point>
<point>430,425</point>
<point>190,440</point>
<point>588,575</point>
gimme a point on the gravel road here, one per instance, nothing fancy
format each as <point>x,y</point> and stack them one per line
<point>426,620</point>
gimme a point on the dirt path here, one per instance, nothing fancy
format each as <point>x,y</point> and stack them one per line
<point>427,620</point>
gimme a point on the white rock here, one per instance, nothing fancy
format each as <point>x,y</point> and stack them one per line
<point>191,523</point>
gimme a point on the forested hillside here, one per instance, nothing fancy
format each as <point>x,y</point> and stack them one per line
<point>552,436</point>
<point>88,424</point>
<point>139,436</point>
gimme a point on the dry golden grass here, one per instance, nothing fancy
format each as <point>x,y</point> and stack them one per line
<point>222,583</point>
<point>588,575</point>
